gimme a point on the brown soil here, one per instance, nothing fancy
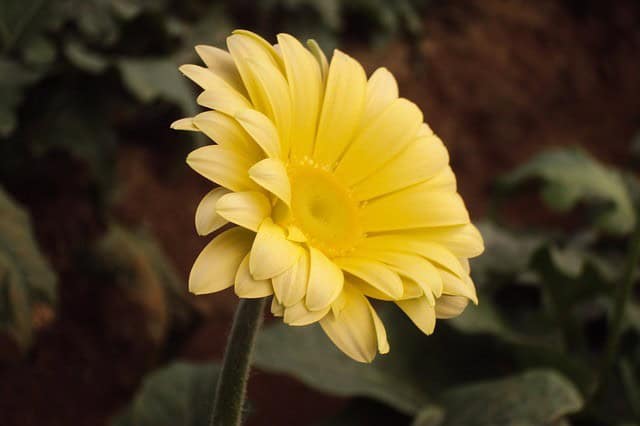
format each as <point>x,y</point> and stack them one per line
<point>497,80</point>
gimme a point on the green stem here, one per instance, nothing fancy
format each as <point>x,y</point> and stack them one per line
<point>623,295</point>
<point>232,382</point>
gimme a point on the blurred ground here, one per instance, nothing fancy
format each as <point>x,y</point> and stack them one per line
<point>497,80</point>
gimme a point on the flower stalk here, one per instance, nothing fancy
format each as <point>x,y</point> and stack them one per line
<point>232,383</point>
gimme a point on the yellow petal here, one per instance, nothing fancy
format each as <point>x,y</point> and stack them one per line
<point>184,124</point>
<point>420,312</point>
<point>223,99</point>
<point>272,253</point>
<point>291,286</point>
<point>203,77</point>
<point>221,63</point>
<point>274,94</point>
<point>450,306</point>
<point>341,108</point>
<point>305,85</point>
<point>225,131</point>
<point>299,315</point>
<point>317,52</point>
<point>276,307</point>
<point>354,330</point>
<point>410,208</point>
<point>247,287</point>
<point>383,138</point>
<point>410,288</point>
<point>456,286</point>
<point>382,90</point>
<point>409,265</point>
<point>381,332</point>
<point>207,220</point>
<point>325,281</point>
<point>224,166</point>
<point>374,273</point>
<point>216,266</point>
<point>271,174</point>
<point>263,44</point>
<point>421,160</point>
<point>247,209</point>
<point>262,130</point>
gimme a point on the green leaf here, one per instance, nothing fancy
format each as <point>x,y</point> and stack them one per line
<point>180,394</point>
<point>15,18</point>
<point>26,279</point>
<point>572,175</point>
<point>15,79</point>
<point>534,398</point>
<point>153,79</point>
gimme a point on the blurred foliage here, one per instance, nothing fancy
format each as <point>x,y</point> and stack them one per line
<point>27,283</point>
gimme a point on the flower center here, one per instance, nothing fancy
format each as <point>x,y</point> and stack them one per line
<point>324,210</point>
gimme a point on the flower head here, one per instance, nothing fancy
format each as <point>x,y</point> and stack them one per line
<point>339,191</point>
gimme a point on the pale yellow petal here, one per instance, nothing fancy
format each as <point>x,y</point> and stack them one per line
<point>223,99</point>
<point>305,89</point>
<point>341,108</point>
<point>248,287</point>
<point>381,332</point>
<point>262,130</point>
<point>225,131</point>
<point>382,90</point>
<point>221,63</point>
<point>383,138</point>
<point>410,288</point>
<point>420,312</point>
<point>299,315</point>
<point>204,77</point>
<point>264,45</point>
<point>317,52</point>
<point>450,306</point>
<point>207,220</point>
<point>272,253</point>
<point>271,174</point>
<point>375,273</point>
<point>224,166</point>
<point>276,307</point>
<point>325,281</point>
<point>408,209</point>
<point>462,241</point>
<point>216,266</point>
<point>424,130</point>
<point>456,286</point>
<point>421,160</point>
<point>354,330</point>
<point>247,209</point>
<point>184,124</point>
<point>291,285</point>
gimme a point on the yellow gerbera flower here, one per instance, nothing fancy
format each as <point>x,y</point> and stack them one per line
<point>340,192</point>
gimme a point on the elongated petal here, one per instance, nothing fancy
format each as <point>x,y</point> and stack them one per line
<point>305,85</point>
<point>291,286</point>
<point>382,90</point>
<point>216,266</point>
<point>223,99</point>
<point>184,124</point>
<point>341,108</point>
<point>221,63</point>
<point>374,273</point>
<point>203,77</point>
<point>299,315</point>
<point>450,306</point>
<point>386,136</point>
<point>272,253</point>
<point>420,312</point>
<point>262,130</point>
<point>226,167</point>
<point>317,52</point>
<point>325,281</point>
<point>248,287</point>
<point>381,332</point>
<point>277,309</point>
<point>410,209</point>
<point>456,286</point>
<point>271,174</point>
<point>226,132</point>
<point>247,209</point>
<point>462,240</point>
<point>207,220</point>
<point>421,160</point>
<point>354,330</point>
